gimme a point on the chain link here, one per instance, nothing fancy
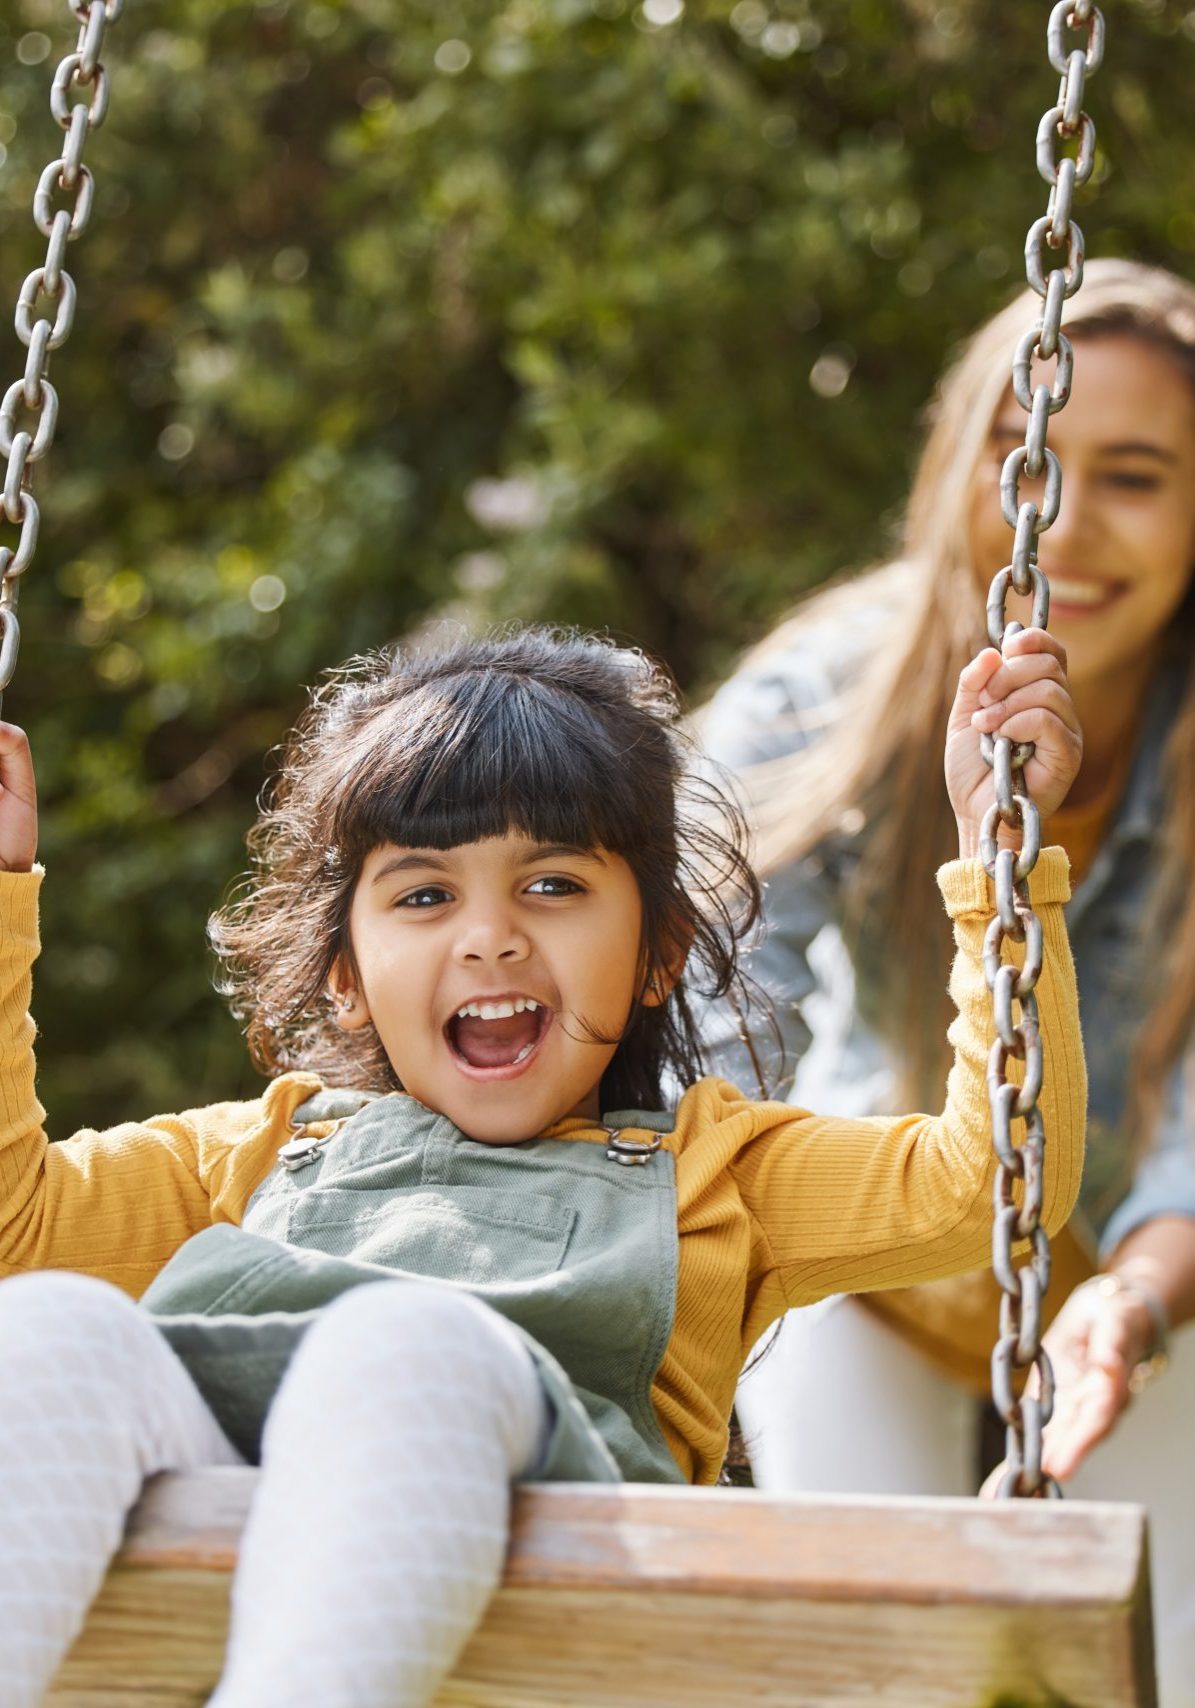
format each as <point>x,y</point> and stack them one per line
<point>23,443</point>
<point>1019,1350</point>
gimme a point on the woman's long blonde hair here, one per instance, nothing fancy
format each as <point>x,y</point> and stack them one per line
<point>880,762</point>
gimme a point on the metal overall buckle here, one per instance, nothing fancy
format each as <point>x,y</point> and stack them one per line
<point>299,1153</point>
<point>306,1149</point>
<point>631,1153</point>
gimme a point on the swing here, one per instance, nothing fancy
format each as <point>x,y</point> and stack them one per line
<point>634,1596</point>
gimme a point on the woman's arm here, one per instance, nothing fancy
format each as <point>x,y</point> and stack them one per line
<point>774,709</point>
<point>1107,1331</point>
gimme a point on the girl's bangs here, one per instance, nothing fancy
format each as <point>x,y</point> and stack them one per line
<point>479,756</point>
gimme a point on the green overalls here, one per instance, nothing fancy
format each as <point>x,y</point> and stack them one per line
<point>573,1242</point>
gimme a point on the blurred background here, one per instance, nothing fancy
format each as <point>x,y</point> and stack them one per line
<point>593,311</point>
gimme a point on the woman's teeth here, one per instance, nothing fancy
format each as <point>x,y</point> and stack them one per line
<point>497,1010</point>
<point>1069,592</point>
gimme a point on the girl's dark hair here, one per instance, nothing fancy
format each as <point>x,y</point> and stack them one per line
<point>567,738</point>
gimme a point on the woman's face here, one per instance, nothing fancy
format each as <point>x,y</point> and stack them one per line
<point>1119,558</point>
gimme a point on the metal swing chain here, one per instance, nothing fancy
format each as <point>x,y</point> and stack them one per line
<point>80,72</point>
<point>1019,1346</point>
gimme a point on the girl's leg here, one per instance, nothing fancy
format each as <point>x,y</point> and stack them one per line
<point>1148,1459</point>
<point>840,1405</point>
<point>92,1402</point>
<point>378,1532</point>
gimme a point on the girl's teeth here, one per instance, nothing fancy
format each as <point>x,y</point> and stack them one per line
<point>497,1010</point>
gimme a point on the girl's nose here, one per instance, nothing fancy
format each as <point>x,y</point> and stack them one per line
<point>490,939</point>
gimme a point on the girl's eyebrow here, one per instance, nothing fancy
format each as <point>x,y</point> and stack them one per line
<point>562,850</point>
<point>408,863</point>
<point>525,856</point>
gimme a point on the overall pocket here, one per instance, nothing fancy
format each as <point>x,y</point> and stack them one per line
<point>468,1234</point>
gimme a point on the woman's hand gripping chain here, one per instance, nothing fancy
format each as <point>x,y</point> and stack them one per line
<point>18,801</point>
<point>1021,693</point>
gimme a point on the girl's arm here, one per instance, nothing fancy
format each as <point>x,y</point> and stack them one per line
<point>1023,694</point>
<point>18,801</point>
<point>116,1204</point>
<point>854,1205</point>
<point>846,1205</point>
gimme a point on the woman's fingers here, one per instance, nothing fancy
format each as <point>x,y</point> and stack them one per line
<point>1094,1344</point>
<point>1082,1419</point>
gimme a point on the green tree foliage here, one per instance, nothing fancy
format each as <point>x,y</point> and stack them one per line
<point>557,309</point>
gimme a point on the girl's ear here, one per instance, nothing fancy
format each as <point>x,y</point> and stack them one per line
<point>665,975</point>
<point>349,1007</point>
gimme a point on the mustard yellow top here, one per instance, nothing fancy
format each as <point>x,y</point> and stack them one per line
<point>775,1207</point>
<point>1081,830</point>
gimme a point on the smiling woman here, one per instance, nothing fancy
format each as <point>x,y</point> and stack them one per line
<point>1119,556</point>
<point>834,721</point>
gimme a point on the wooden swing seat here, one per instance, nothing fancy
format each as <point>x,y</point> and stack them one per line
<point>641,1597</point>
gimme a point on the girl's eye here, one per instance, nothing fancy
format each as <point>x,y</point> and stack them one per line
<point>431,895</point>
<point>554,886</point>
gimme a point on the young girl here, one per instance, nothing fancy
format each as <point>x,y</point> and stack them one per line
<point>481,896</point>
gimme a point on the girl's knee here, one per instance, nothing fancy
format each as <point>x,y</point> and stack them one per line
<point>394,1326</point>
<point>407,1307</point>
<point>411,1356</point>
<point>63,1301</point>
<point>81,1334</point>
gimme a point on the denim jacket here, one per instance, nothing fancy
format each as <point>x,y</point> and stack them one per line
<point>841,1065</point>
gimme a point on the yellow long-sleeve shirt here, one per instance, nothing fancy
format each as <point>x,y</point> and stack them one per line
<point>775,1207</point>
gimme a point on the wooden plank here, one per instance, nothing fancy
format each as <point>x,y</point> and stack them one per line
<point>658,1598</point>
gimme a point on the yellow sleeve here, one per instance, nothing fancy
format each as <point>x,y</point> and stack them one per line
<point>117,1204</point>
<point>853,1205</point>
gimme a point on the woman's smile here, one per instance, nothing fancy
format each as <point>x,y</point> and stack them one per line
<point>1074,596</point>
<point>1119,556</point>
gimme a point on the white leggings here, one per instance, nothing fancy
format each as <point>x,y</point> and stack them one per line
<point>379,1526</point>
<point>841,1405</point>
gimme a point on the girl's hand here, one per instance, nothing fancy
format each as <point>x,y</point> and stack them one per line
<point>18,801</point>
<point>1024,695</point>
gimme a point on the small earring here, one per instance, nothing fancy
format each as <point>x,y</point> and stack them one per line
<point>346,1002</point>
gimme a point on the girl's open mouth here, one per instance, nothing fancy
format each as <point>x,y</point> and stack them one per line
<point>498,1039</point>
